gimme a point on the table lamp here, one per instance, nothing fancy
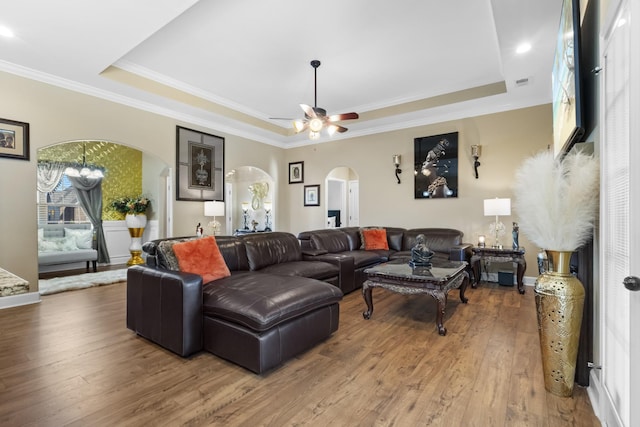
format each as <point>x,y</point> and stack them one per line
<point>214,209</point>
<point>497,207</point>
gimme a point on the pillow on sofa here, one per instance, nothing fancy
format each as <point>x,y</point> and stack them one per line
<point>84,238</point>
<point>166,256</point>
<point>203,257</point>
<point>374,238</point>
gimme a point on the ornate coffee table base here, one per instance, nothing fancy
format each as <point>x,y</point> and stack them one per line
<point>439,293</point>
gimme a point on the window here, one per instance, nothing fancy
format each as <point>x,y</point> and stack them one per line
<point>60,205</point>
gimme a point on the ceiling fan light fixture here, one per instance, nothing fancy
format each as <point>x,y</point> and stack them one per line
<point>331,129</point>
<point>315,124</point>
<point>298,126</point>
<point>314,135</point>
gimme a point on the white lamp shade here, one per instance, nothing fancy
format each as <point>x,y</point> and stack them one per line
<point>214,208</point>
<point>497,207</point>
<point>267,205</point>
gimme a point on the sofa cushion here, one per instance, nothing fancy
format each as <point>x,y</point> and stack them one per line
<point>330,240</point>
<point>313,269</point>
<point>265,249</point>
<point>202,257</point>
<point>261,301</point>
<point>436,239</point>
<point>374,238</point>
<point>83,238</point>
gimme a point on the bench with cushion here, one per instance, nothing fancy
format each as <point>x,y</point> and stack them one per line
<point>66,244</point>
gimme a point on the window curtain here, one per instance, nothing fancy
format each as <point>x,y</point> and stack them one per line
<point>49,175</point>
<point>89,191</point>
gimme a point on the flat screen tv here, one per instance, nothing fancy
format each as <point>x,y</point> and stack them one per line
<point>567,110</point>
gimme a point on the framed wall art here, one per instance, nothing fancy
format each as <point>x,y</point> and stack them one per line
<point>14,139</point>
<point>436,166</point>
<point>296,172</point>
<point>312,195</point>
<point>199,165</point>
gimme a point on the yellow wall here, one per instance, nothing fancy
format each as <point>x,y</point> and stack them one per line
<point>58,115</point>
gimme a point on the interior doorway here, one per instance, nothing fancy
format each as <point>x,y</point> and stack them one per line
<point>342,198</point>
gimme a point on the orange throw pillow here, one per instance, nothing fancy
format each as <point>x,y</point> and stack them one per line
<point>203,257</point>
<point>375,239</point>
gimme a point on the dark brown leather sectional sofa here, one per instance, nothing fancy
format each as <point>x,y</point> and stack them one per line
<point>272,307</point>
<point>343,246</point>
<point>281,299</point>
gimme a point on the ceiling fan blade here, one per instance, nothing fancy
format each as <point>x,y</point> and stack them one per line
<point>308,110</point>
<point>333,128</point>
<point>345,116</point>
<point>281,118</point>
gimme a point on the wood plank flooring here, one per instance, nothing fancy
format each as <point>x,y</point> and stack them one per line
<point>71,361</point>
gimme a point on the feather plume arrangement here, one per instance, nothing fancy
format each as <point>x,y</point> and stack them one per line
<point>557,200</point>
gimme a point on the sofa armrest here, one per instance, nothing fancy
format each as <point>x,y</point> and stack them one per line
<point>165,307</point>
<point>346,268</point>
<point>461,252</point>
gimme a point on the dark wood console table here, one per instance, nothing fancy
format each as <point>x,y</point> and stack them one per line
<point>498,255</point>
<point>399,276</point>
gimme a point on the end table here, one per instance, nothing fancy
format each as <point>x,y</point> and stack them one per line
<point>498,255</point>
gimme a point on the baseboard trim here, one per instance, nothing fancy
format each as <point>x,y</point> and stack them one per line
<point>18,300</point>
<point>601,402</point>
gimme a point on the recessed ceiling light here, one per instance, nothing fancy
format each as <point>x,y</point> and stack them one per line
<point>524,47</point>
<point>5,31</point>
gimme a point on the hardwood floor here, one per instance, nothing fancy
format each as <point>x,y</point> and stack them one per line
<point>70,361</point>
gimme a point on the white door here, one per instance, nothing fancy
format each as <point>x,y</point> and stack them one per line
<point>619,213</point>
<point>354,204</point>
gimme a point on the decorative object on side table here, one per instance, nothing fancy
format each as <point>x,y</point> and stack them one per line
<point>557,203</point>
<point>135,209</point>
<point>515,236</point>
<point>482,241</point>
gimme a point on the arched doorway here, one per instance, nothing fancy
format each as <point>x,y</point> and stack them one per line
<point>250,200</point>
<point>127,172</point>
<point>342,196</point>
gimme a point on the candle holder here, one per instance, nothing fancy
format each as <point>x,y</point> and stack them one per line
<point>245,214</point>
<point>267,216</point>
<point>482,241</point>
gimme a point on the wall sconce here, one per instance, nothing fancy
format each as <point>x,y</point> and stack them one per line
<point>476,150</point>
<point>396,162</point>
<point>245,214</point>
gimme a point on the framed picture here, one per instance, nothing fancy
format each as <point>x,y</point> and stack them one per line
<point>199,165</point>
<point>436,166</point>
<point>14,139</point>
<point>296,172</point>
<point>312,195</point>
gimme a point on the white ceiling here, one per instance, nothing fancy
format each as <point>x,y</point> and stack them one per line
<point>230,65</point>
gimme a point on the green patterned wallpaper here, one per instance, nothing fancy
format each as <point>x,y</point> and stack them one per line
<point>122,168</point>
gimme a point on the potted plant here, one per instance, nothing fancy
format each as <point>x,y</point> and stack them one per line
<point>556,201</point>
<point>134,209</point>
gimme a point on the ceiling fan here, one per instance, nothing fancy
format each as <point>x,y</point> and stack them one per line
<point>315,118</point>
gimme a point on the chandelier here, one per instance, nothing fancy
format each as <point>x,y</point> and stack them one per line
<point>84,171</point>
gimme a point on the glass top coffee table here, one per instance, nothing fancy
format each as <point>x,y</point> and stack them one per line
<point>399,276</point>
